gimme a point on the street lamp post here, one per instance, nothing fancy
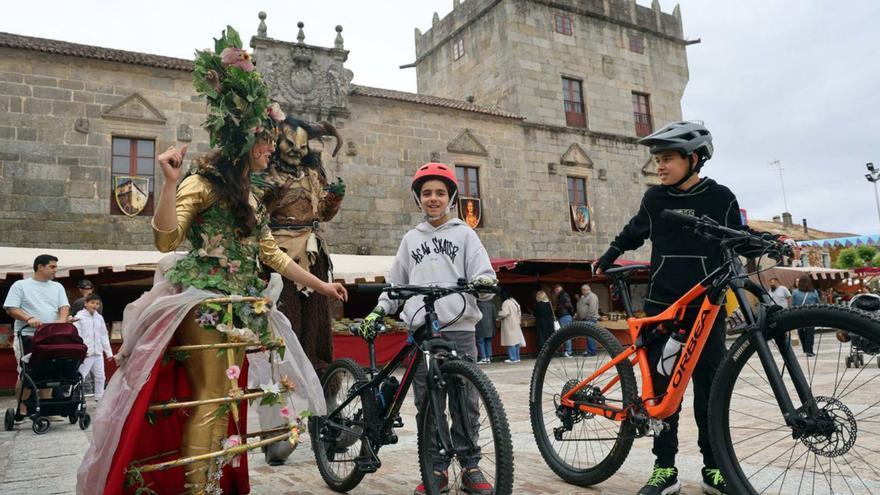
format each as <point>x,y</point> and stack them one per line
<point>873,176</point>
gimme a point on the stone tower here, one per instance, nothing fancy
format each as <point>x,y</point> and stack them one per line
<point>514,54</point>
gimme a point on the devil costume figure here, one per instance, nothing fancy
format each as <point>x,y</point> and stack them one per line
<point>298,198</point>
<point>174,421</point>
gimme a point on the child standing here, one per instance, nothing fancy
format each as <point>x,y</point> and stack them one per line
<point>440,251</point>
<point>93,331</point>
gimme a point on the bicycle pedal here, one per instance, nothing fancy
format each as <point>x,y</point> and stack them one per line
<point>367,465</point>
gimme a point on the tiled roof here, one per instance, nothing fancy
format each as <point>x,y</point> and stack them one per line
<point>9,40</point>
<point>435,101</point>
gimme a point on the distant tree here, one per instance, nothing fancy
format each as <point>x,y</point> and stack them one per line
<point>848,258</point>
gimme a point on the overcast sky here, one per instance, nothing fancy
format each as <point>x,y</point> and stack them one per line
<point>794,81</point>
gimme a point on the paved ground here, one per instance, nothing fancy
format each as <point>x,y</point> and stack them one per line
<point>46,464</point>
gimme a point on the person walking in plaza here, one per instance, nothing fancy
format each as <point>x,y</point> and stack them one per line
<point>93,331</point>
<point>780,293</point>
<point>485,331</point>
<point>33,302</point>
<point>564,312</point>
<point>588,312</point>
<point>544,318</point>
<point>215,210</point>
<point>458,254</point>
<point>511,331</point>
<point>805,294</point>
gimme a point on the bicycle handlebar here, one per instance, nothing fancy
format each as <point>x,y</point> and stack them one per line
<point>436,292</point>
<point>726,235</point>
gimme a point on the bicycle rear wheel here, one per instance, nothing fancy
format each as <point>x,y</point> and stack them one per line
<point>835,449</point>
<point>336,450</point>
<point>581,448</point>
<point>487,443</point>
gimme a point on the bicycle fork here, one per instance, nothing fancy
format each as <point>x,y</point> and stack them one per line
<point>435,385</point>
<point>799,419</point>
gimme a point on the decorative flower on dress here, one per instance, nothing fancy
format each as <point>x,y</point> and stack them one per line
<point>240,334</point>
<point>285,412</point>
<point>233,266</point>
<point>231,442</point>
<point>207,318</point>
<point>233,372</point>
<point>271,388</point>
<point>260,307</point>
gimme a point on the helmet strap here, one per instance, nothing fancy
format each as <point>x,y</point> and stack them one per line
<point>692,169</point>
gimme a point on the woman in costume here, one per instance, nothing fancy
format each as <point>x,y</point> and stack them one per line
<point>138,426</point>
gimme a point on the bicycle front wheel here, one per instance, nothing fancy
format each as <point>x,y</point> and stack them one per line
<point>336,448</point>
<point>831,446</point>
<point>479,432</point>
<point>581,448</point>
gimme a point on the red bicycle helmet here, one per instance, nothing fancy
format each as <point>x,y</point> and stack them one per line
<point>438,171</point>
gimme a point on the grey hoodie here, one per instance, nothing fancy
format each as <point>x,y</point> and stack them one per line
<point>439,256</point>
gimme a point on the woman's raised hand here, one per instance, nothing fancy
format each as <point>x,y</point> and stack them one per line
<point>170,161</point>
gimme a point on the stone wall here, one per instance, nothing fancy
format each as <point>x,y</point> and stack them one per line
<point>525,205</point>
<point>56,187</point>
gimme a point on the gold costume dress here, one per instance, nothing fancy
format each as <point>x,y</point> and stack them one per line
<point>220,261</point>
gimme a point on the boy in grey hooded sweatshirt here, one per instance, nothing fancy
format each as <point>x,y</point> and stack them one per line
<point>439,251</point>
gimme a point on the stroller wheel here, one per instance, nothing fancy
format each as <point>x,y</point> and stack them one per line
<point>72,418</point>
<point>848,362</point>
<point>41,425</point>
<point>9,419</point>
<point>85,421</point>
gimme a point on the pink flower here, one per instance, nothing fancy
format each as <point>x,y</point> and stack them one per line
<point>285,412</point>
<point>233,372</point>
<point>232,441</point>
<point>236,57</point>
<point>275,113</point>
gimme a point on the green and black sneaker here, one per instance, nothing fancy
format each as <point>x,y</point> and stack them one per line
<point>663,481</point>
<point>713,482</point>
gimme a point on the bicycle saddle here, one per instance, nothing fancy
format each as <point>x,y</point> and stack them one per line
<point>622,271</point>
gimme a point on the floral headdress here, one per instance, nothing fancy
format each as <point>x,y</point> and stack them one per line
<point>239,108</point>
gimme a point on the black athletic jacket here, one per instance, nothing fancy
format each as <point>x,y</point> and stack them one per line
<point>679,259</point>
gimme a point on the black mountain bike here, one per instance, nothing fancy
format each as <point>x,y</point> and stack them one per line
<point>780,421</point>
<point>363,410</point>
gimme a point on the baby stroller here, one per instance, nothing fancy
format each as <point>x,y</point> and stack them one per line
<point>859,346</point>
<point>51,360</point>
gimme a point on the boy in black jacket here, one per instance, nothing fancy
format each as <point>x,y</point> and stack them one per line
<point>680,259</point>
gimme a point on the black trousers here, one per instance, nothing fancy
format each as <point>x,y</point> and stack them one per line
<point>807,335</point>
<point>666,444</point>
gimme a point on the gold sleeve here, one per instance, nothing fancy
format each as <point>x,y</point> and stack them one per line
<point>194,195</point>
<point>271,254</point>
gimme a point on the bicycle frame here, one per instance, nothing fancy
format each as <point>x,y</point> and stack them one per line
<point>712,288</point>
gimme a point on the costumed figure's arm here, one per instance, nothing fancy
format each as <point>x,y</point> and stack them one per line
<point>177,207</point>
<point>332,193</point>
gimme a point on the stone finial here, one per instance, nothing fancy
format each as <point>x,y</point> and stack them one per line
<point>436,19</point>
<point>677,12</point>
<point>301,36</point>
<point>339,43</point>
<point>455,4</point>
<point>418,33</point>
<point>261,29</point>
<point>655,5</point>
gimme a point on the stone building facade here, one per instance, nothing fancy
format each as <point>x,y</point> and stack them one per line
<point>493,79</point>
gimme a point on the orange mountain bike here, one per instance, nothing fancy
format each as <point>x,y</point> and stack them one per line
<point>781,420</point>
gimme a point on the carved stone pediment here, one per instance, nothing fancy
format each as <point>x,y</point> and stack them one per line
<point>466,143</point>
<point>575,156</point>
<point>134,108</point>
<point>304,78</point>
